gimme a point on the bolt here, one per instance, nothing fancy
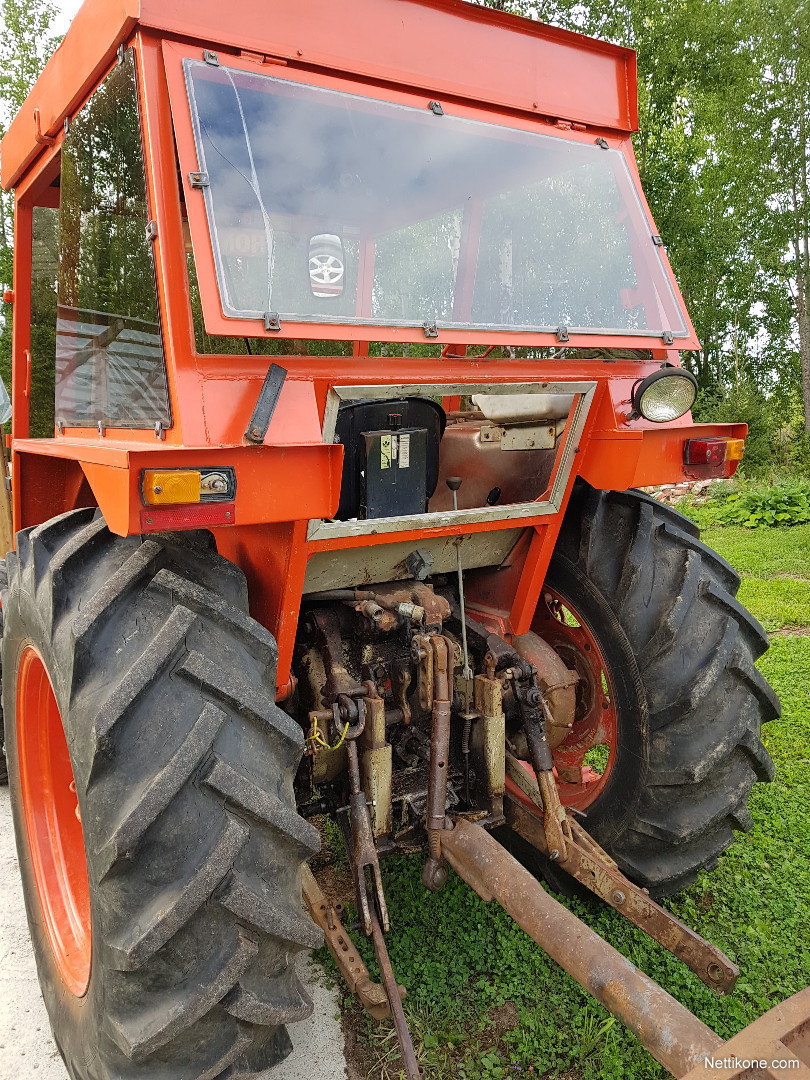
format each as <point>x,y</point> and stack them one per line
<point>255,432</point>
<point>554,854</point>
<point>157,489</point>
<point>617,897</point>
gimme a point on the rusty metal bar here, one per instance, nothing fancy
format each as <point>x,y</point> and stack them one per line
<point>363,849</point>
<point>411,1068</point>
<point>371,995</point>
<point>585,863</point>
<point>674,1037</point>
<point>434,872</point>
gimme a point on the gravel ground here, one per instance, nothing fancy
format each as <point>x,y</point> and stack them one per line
<point>27,1051</point>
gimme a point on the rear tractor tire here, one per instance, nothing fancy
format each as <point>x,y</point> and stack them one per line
<point>3,766</point>
<point>151,776</point>
<point>635,584</point>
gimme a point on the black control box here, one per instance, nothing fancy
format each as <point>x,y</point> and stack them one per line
<point>395,473</point>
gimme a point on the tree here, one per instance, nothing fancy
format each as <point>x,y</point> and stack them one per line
<point>26,42</point>
<point>723,148</point>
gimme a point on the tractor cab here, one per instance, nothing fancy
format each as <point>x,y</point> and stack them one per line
<point>343,340</point>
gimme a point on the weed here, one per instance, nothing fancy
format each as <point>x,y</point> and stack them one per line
<point>753,505</point>
<point>333,840</point>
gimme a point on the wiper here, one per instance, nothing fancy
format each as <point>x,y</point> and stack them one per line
<point>253,183</point>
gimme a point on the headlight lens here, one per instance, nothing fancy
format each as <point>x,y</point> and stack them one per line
<point>665,395</point>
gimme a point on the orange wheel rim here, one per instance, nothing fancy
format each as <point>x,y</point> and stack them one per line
<point>53,824</point>
<point>596,725</point>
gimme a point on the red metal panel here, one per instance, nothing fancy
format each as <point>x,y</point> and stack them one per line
<point>447,46</point>
<point>653,455</point>
<point>70,75</point>
<point>229,403</point>
<point>274,483</point>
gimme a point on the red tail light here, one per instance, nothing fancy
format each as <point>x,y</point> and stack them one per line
<point>712,457</point>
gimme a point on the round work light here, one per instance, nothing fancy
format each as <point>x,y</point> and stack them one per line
<point>665,395</point>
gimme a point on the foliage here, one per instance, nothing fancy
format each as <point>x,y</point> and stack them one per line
<point>26,42</point>
<point>775,572</point>
<point>753,505</point>
<point>462,958</point>
<point>776,553</point>
<point>723,151</point>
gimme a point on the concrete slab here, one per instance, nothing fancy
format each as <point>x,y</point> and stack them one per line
<point>27,1049</point>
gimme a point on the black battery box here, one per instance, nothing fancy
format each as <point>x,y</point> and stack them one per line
<point>395,476</point>
<point>378,481</point>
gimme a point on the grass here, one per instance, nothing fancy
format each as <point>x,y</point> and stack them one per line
<point>774,565</point>
<point>765,553</point>
<point>463,960</point>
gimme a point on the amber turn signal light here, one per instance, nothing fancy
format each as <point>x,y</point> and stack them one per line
<point>162,487</point>
<point>712,457</point>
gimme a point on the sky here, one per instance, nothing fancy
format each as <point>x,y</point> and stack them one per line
<point>67,9</point>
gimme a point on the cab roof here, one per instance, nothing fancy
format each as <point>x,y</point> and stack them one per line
<point>445,47</point>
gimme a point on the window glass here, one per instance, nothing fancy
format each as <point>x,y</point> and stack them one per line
<point>109,353</point>
<point>211,344</point>
<point>328,207</point>
<point>44,268</point>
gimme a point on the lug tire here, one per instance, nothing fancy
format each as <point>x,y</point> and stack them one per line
<point>680,650</point>
<point>184,771</point>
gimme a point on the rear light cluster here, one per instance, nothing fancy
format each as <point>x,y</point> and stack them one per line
<point>182,487</point>
<point>187,498</point>
<point>712,457</point>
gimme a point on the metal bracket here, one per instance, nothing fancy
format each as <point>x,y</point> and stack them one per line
<point>100,428</point>
<point>436,108</point>
<point>371,995</point>
<point>668,337</point>
<point>41,139</point>
<point>119,55</point>
<point>431,330</point>
<point>210,57</point>
<point>657,240</point>
<point>602,143</point>
<point>272,320</point>
<point>562,333</point>
<point>266,404</point>
<point>151,231</point>
<point>160,431</point>
<point>199,179</point>
<point>60,426</point>
<point>420,564</point>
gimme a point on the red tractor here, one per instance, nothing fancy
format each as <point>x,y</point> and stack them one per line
<point>363,340</point>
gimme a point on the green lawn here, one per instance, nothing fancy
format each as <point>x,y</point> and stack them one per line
<point>763,552</point>
<point>775,568</point>
<point>463,960</point>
